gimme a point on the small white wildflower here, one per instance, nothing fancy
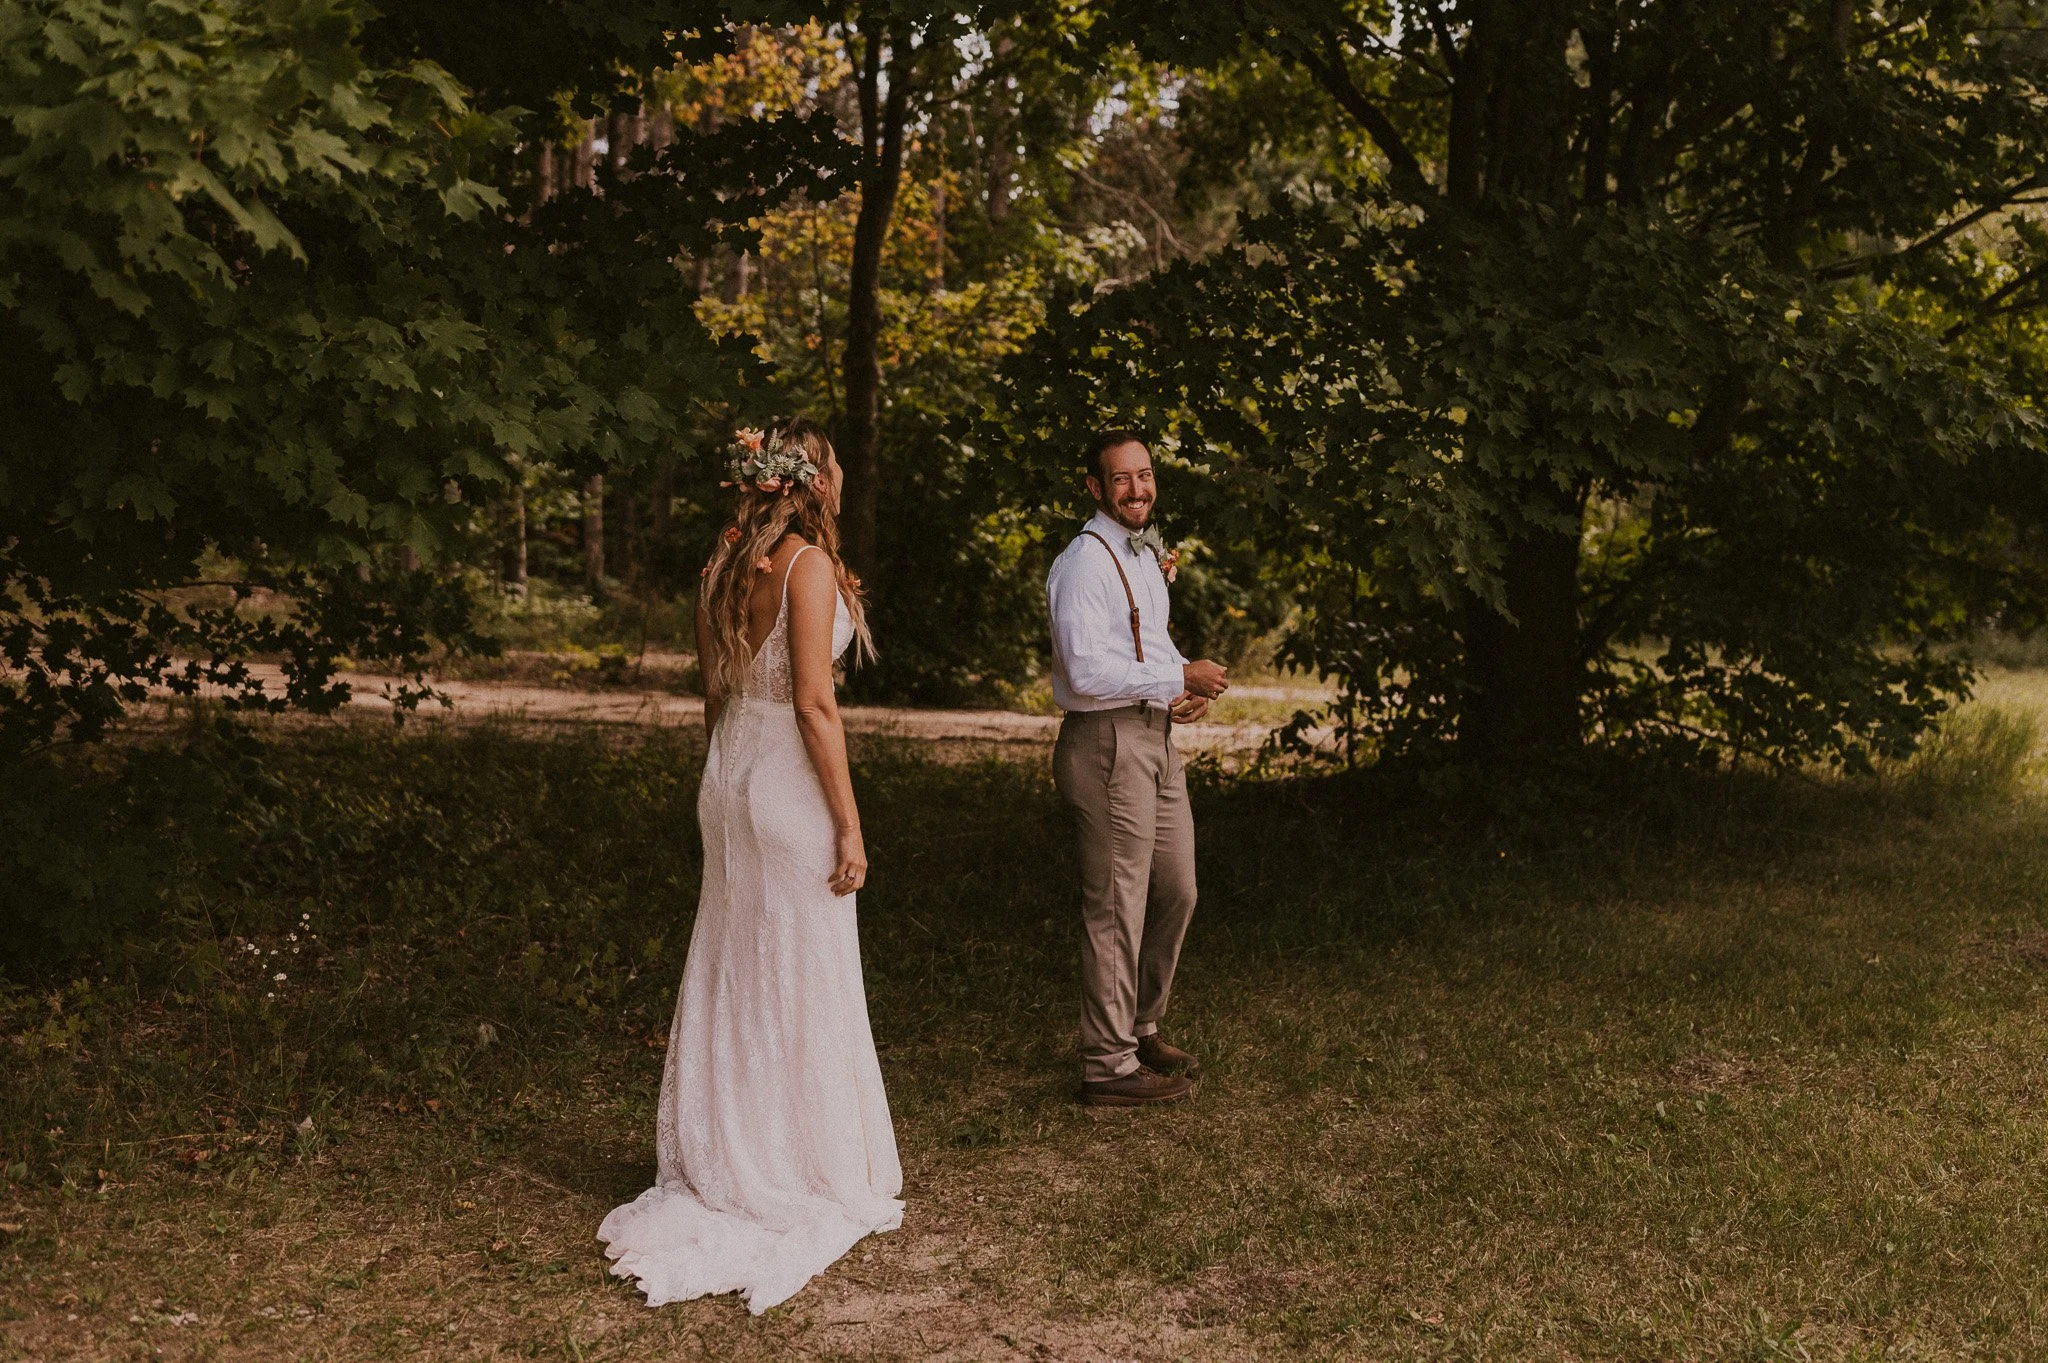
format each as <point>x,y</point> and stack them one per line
<point>279,977</point>
<point>291,937</point>
<point>270,995</point>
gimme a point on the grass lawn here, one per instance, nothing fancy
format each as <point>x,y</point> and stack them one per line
<point>1700,1067</point>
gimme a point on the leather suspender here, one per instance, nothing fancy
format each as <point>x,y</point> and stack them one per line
<point>1137,640</point>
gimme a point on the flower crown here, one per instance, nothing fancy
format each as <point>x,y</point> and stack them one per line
<point>766,463</point>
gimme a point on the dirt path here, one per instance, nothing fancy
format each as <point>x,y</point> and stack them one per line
<point>473,701</point>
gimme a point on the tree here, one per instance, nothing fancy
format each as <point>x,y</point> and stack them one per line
<point>275,317</point>
<point>959,285</point>
<point>905,56</point>
<point>1645,327</point>
<point>911,61</point>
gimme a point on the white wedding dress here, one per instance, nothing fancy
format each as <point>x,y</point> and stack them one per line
<point>775,1152</point>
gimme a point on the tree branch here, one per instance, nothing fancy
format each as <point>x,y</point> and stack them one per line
<point>2012,197</point>
<point>870,96</point>
<point>1452,57</point>
<point>1413,57</point>
<point>1996,305</point>
<point>1166,231</point>
<point>1334,76</point>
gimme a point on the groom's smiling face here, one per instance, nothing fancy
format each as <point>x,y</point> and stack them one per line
<point>1123,484</point>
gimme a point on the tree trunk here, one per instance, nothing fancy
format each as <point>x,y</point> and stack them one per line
<point>593,535</point>
<point>518,535</point>
<point>939,233</point>
<point>660,517</point>
<point>881,123</point>
<point>583,172</point>
<point>740,277</point>
<point>1525,668</point>
<point>1001,159</point>
<point>543,176</point>
<point>1512,147</point>
<point>626,542</point>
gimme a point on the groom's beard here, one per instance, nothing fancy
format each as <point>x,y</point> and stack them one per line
<point>1130,515</point>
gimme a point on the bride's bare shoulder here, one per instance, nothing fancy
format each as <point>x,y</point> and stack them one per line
<point>808,572</point>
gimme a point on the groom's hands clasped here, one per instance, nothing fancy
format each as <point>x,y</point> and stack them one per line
<point>1207,678</point>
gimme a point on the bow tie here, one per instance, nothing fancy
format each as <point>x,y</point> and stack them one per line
<point>1148,538</point>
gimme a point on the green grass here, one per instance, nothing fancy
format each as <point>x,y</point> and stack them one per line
<point>1730,1068</point>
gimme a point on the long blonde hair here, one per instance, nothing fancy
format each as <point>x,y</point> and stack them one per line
<point>761,522</point>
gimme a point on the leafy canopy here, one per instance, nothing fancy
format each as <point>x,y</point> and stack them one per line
<point>271,312</point>
<point>1633,388</point>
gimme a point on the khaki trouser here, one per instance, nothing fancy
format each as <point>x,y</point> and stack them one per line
<point>1119,771</point>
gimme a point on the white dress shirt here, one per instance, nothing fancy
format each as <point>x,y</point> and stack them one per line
<point>1094,666</point>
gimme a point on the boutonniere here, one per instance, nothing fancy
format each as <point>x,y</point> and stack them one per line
<point>1168,559</point>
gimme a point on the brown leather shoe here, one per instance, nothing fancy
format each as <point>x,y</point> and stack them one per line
<point>1140,1088</point>
<point>1154,1053</point>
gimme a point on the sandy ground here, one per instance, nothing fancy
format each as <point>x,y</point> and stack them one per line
<point>472,701</point>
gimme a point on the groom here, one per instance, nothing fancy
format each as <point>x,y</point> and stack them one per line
<point>1124,686</point>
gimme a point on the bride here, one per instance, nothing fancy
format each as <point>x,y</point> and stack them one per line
<point>773,1138</point>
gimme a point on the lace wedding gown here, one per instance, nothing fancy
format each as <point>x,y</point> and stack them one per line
<point>775,1152</point>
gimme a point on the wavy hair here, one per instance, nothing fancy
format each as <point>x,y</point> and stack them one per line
<point>760,523</point>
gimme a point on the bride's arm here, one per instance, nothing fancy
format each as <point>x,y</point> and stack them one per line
<point>813,602</point>
<point>713,701</point>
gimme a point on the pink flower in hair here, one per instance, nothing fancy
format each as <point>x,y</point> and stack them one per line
<point>732,534</point>
<point>762,565</point>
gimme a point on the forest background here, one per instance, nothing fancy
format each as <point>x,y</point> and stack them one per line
<point>1661,379</point>
<point>1020,169</point>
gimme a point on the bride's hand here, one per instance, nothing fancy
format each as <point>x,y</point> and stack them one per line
<point>850,862</point>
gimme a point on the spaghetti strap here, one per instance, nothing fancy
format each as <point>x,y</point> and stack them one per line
<point>787,569</point>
